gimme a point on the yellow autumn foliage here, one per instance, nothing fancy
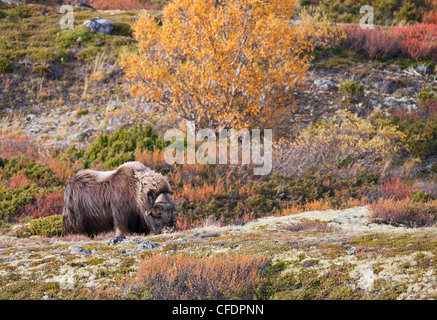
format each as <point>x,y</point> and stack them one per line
<point>220,63</point>
<point>347,143</point>
<point>323,32</point>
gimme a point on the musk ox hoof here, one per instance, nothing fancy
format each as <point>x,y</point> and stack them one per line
<point>116,240</point>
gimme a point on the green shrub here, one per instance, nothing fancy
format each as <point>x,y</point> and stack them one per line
<point>41,69</point>
<point>420,196</point>
<point>12,202</point>
<point>427,94</point>
<point>47,227</point>
<point>407,11</point>
<point>82,112</point>
<point>73,37</point>
<point>5,66</point>
<point>89,53</point>
<point>352,90</point>
<point>385,11</point>
<point>74,154</point>
<point>335,190</point>
<point>122,29</point>
<point>120,146</point>
<point>421,136</point>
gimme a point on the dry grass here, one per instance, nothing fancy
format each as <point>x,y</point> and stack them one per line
<point>181,277</point>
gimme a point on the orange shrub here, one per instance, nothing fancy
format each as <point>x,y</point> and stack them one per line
<point>172,277</point>
<point>418,41</point>
<point>430,17</point>
<point>18,180</point>
<point>44,206</point>
<point>64,169</point>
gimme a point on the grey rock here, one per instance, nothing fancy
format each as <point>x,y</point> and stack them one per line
<point>325,84</point>
<point>116,240</point>
<point>76,249</point>
<point>147,245</point>
<point>309,264</point>
<point>238,223</point>
<point>30,117</point>
<point>386,86</point>
<point>100,25</point>
<point>84,6</point>
<point>6,259</point>
<point>423,69</point>
<point>84,134</point>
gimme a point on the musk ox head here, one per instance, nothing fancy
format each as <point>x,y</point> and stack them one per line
<point>156,195</point>
<point>161,217</point>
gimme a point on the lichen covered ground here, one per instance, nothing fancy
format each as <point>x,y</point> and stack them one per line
<point>313,255</point>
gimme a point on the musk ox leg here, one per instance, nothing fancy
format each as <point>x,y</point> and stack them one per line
<point>119,237</point>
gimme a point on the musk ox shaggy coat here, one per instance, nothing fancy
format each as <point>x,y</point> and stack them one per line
<point>132,198</point>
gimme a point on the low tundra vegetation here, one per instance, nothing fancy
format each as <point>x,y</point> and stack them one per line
<point>331,164</point>
<point>171,277</point>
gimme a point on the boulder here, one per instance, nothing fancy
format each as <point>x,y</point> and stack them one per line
<point>100,25</point>
<point>84,6</point>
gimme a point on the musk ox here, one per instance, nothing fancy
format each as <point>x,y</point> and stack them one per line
<point>132,198</point>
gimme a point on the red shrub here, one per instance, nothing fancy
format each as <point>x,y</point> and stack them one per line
<point>45,206</point>
<point>15,145</point>
<point>395,189</point>
<point>418,41</point>
<point>404,212</point>
<point>425,110</point>
<point>126,5</point>
<point>380,43</point>
<point>377,43</point>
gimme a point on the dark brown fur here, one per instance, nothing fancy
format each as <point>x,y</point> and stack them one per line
<point>123,200</point>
